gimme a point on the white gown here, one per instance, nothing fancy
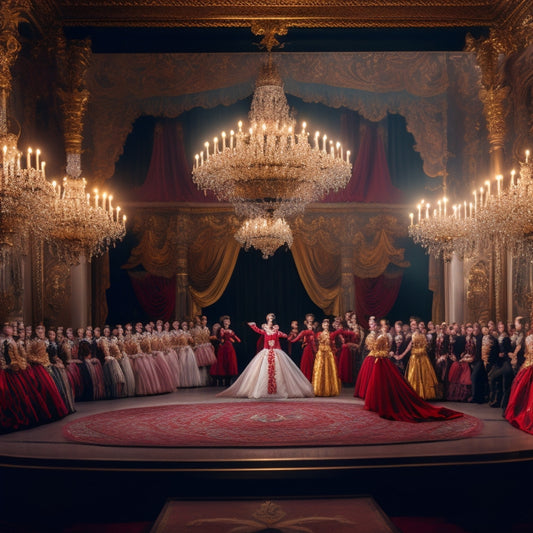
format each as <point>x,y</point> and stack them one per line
<point>254,382</point>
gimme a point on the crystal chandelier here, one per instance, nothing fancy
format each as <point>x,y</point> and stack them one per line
<point>84,226</point>
<point>501,216</point>
<point>266,234</point>
<point>442,231</point>
<point>25,194</point>
<point>270,169</point>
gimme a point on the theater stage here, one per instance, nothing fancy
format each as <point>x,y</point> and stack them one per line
<point>132,483</point>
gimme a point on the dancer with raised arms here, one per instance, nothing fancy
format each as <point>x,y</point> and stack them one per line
<point>271,373</point>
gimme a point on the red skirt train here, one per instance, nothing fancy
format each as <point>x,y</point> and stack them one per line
<point>519,410</point>
<point>389,395</point>
<point>363,378</point>
<point>48,391</point>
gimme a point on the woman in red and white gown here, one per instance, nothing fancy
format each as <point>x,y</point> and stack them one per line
<point>271,373</point>
<point>389,394</point>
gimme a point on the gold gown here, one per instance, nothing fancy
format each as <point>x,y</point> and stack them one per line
<point>420,373</point>
<point>326,380</point>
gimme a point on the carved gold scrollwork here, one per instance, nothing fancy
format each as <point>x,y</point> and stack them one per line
<point>269,29</point>
<point>477,295</point>
<point>73,58</point>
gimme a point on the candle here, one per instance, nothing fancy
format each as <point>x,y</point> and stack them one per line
<point>455,211</point>
<point>475,201</point>
<point>37,154</point>
<point>527,156</point>
<point>88,199</point>
<point>215,145</point>
<point>223,141</point>
<point>445,201</point>
<point>206,144</point>
<point>240,126</point>
<point>470,209</point>
<point>28,158</point>
<point>499,178</point>
<point>324,143</point>
<point>464,203</point>
<point>427,210</point>
<point>232,133</point>
<point>459,211</point>
<point>481,197</point>
<point>196,158</point>
<point>43,166</point>
<point>304,125</point>
<point>317,135</point>
<point>96,198</point>
<point>487,183</point>
<point>513,172</point>
<point>124,220</point>
<point>118,213</point>
<point>104,196</point>
<point>419,211</point>
<point>201,158</point>
<point>348,156</point>
<point>411,216</point>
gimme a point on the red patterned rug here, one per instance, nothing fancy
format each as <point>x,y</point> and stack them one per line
<point>258,424</point>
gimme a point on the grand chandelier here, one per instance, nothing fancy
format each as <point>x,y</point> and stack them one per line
<point>265,234</point>
<point>25,194</point>
<point>270,168</point>
<point>85,226</point>
<point>443,231</point>
<point>501,214</point>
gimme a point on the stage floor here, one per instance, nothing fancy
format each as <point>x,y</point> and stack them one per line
<point>455,480</point>
<point>45,446</point>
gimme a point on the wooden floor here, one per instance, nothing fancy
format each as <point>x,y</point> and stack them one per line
<point>402,477</point>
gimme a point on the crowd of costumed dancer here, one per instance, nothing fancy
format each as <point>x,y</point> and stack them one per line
<point>396,371</point>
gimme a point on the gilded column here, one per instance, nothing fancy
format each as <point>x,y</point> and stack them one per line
<point>11,254</point>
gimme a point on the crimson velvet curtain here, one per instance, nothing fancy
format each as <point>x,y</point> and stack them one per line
<point>156,294</point>
<point>371,180</point>
<point>169,176</point>
<point>375,296</point>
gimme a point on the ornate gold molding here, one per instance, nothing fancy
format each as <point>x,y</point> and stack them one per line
<point>73,58</point>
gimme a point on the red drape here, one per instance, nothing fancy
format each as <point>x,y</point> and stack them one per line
<point>370,181</point>
<point>156,294</point>
<point>169,177</point>
<point>375,296</point>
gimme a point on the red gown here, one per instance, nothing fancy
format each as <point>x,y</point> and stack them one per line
<point>226,364</point>
<point>367,368</point>
<point>308,355</point>
<point>389,395</point>
<point>519,410</point>
<point>346,358</point>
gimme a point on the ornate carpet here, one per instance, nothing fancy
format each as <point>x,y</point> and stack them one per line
<point>258,424</point>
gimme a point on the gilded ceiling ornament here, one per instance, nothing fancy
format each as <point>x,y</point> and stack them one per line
<point>269,29</point>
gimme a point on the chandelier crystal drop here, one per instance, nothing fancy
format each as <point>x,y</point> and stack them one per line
<point>266,234</point>
<point>270,168</point>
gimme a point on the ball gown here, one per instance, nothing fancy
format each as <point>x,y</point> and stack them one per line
<point>326,380</point>
<point>226,365</point>
<point>189,371</point>
<point>114,379</point>
<point>519,411</point>
<point>391,397</point>
<point>204,351</point>
<point>459,387</point>
<point>347,355</point>
<point>367,367</point>
<point>420,373</point>
<point>308,338</point>
<point>271,373</point>
<point>116,350</point>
